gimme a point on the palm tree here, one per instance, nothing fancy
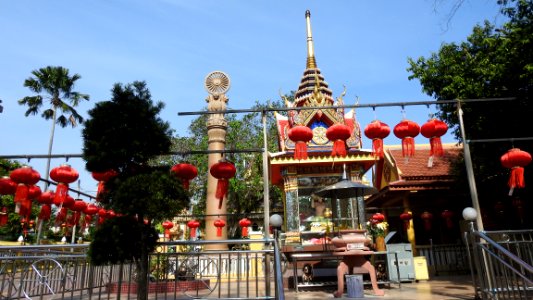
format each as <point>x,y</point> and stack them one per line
<point>54,84</point>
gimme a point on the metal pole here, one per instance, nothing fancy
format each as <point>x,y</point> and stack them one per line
<point>266,198</point>
<point>469,169</point>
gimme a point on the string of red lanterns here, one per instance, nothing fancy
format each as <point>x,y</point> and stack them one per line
<point>223,171</point>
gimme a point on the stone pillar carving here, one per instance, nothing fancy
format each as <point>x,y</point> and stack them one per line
<point>216,83</point>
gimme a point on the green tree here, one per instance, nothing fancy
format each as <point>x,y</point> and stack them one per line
<point>491,63</point>
<point>56,85</point>
<point>125,134</point>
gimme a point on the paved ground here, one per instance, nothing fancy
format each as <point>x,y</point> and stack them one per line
<point>437,288</point>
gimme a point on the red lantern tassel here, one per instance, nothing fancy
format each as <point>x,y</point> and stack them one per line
<point>62,215</point>
<point>516,180</point>
<point>46,212</point>
<point>339,148</point>
<point>25,208</point>
<point>408,146</point>
<point>21,193</point>
<point>300,150</point>
<point>193,233</point>
<point>406,225</point>
<point>222,189</point>
<point>244,231</point>
<point>185,183</point>
<point>60,194</point>
<point>100,191</point>
<point>219,231</point>
<point>377,147</point>
<point>436,146</point>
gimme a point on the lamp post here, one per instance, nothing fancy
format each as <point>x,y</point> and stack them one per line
<point>276,221</point>
<point>471,216</point>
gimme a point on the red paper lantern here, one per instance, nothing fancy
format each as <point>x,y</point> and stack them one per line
<point>193,224</point>
<point>78,205</point>
<point>46,197</point>
<point>407,130</point>
<point>102,178</point>
<point>433,130</point>
<point>448,215</point>
<point>91,209</point>
<point>110,214</point>
<point>219,223</point>
<point>338,133</point>
<point>406,218</point>
<point>24,177</point>
<point>244,223</point>
<point>186,172</point>
<point>377,131</point>
<point>63,175</point>
<point>7,186</point>
<point>102,213</point>
<point>223,170</point>
<point>4,217</point>
<point>427,217</point>
<point>46,212</point>
<point>379,217</point>
<point>34,191</point>
<point>300,135</point>
<point>68,202</point>
<point>167,225</point>
<point>516,159</point>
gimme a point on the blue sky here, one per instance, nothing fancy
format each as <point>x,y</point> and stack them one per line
<point>173,45</point>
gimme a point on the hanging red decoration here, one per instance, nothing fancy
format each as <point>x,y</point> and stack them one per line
<point>427,217</point>
<point>244,223</point>
<point>46,197</point>
<point>61,215</point>
<point>24,177</point>
<point>516,159</point>
<point>407,130</point>
<point>406,218</point>
<point>7,186</point>
<point>102,213</point>
<point>186,172</point>
<point>90,210</point>
<point>193,224</point>
<point>300,135</point>
<point>433,130</point>
<point>111,214</point>
<point>68,202</point>
<point>46,212</point>
<point>223,170</point>
<point>377,131</point>
<point>78,205</point>
<point>378,217</point>
<point>4,217</point>
<point>447,215</point>
<point>63,175</point>
<point>338,133</point>
<point>102,178</point>
<point>34,191</point>
<point>167,225</point>
<point>219,223</point>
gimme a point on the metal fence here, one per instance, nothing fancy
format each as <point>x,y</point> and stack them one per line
<point>181,269</point>
<point>501,263</point>
<point>448,259</point>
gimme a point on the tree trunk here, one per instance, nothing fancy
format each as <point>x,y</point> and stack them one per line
<point>47,172</point>
<point>142,268</point>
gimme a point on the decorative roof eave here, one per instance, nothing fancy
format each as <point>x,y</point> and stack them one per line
<point>288,159</point>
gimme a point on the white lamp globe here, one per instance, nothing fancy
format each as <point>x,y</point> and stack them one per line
<point>469,214</point>
<point>20,239</point>
<point>276,220</point>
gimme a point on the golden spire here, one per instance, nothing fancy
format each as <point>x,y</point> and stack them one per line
<point>311,63</point>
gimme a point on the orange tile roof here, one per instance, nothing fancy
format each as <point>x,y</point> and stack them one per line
<point>416,167</point>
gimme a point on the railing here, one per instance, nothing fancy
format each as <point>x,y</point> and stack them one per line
<point>177,270</point>
<point>502,263</point>
<point>449,259</point>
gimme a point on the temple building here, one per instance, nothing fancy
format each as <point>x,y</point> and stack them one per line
<point>300,172</point>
